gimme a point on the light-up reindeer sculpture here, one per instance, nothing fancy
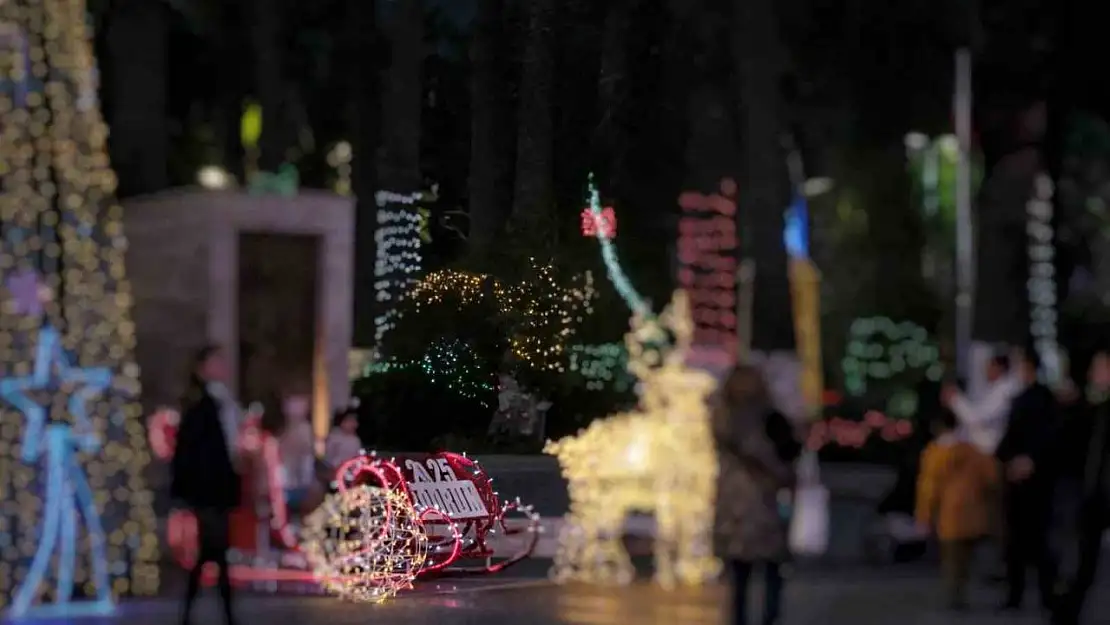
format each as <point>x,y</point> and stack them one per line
<point>657,459</point>
<point>55,445</point>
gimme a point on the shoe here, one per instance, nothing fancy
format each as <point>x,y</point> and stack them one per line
<point>959,605</point>
<point>1010,606</point>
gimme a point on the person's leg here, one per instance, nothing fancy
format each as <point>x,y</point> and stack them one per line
<point>772,593</point>
<point>221,528</point>
<point>214,528</point>
<point>204,551</point>
<point>1090,548</point>
<point>1016,549</point>
<point>741,575</point>
<point>956,565</point>
<point>1042,554</point>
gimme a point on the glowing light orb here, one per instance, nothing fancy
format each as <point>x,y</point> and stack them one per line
<point>365,544</point>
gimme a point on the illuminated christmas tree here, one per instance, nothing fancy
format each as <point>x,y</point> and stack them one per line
<point>77,528</point>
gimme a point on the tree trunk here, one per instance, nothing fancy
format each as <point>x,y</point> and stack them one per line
<point>404,99</point>
<point>764,187</point>
<point>365,119</point>
<point>611,136</point>
<point>264,23</point>
<point>534,189</point>
<point>489,166</point>
<point>138,49</point>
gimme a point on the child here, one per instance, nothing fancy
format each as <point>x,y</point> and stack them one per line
<point>953,499</point>
<point>298,455</point>
<point>343,442</point>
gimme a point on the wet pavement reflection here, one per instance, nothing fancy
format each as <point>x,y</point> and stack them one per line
<point>848,597</point>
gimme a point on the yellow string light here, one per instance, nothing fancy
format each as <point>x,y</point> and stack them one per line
<point>365,543</point>
<point>658,459</point>
<point>58,205</point>
<point>549,309</point>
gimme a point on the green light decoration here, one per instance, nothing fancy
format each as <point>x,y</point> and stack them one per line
<point>601,366</point>
<point>250,125</point>
<point>285,183</point>
<point>450,363</point>
<point>889,356</point>
<point>933,165</point>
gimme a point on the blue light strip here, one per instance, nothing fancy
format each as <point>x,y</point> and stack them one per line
<point>67,487</point>
<point>613,267</point>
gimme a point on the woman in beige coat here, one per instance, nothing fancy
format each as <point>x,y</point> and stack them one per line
<point>750,526</point>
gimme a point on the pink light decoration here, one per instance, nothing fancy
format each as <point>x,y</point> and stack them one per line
<point>603,226</point>
<point>707,250</point>
<point>855,434</point>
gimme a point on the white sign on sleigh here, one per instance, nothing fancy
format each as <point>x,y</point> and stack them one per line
<point>433,484</point>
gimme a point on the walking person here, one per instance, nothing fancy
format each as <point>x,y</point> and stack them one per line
<point>749,527</point>
<point>204,475</point>
<point>1082,491</point>
<point>1026,486</point>
<point>982,421</point>
<point>953,500</point>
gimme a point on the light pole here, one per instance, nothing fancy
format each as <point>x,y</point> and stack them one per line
<point>965,253</point>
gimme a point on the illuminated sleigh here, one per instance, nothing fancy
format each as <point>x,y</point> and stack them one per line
<point>264,546</point>
<point>457,507</point>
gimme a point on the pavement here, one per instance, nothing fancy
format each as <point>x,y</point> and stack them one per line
<point>902,595</point>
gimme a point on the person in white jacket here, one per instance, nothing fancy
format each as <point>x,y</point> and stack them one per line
<point>983,420</point>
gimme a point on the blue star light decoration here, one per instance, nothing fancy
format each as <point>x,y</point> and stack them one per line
<point>67,487</point>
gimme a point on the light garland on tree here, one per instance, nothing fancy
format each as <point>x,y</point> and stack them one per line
<point>707,245</point>
<point>636,303</point>
<point>658,459</point>
<point>1041,285</point>
<point>365,543</point>
<point>398,254</point>
<point>547,310</point>
<point>59,218</point>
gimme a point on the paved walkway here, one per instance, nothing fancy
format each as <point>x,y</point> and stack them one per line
<point>895,596</point>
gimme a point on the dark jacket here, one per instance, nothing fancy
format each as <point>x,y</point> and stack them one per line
<point>782,435</point>
<point>747,524</point>
<point>1080,447</point>
<point>203,473</point>
<point>1030,429</point>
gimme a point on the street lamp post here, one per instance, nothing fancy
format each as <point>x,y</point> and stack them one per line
<point>965,253</point>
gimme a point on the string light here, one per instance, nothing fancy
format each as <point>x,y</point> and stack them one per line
<point>365,543</point>
<point>339,158</point>
<point>1041,285</point>
<point>626,463</point>
<point>855,434</point>
<point>881,350</point>
<point>60,221</point>
<point>450,363</point>
<point>398,254</point>
<point>636,303</point>
<point>707,246</point>
<point>543,309</point>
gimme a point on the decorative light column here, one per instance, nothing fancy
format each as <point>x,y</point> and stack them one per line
<point>1041,285</point>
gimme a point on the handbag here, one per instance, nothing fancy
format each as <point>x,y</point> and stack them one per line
<point>809,527</point>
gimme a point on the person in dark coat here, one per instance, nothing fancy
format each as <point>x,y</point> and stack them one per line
<point>204,478</point>
<point>1079,460</point>
<point>1027,486</point>
<point>749,527</point>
